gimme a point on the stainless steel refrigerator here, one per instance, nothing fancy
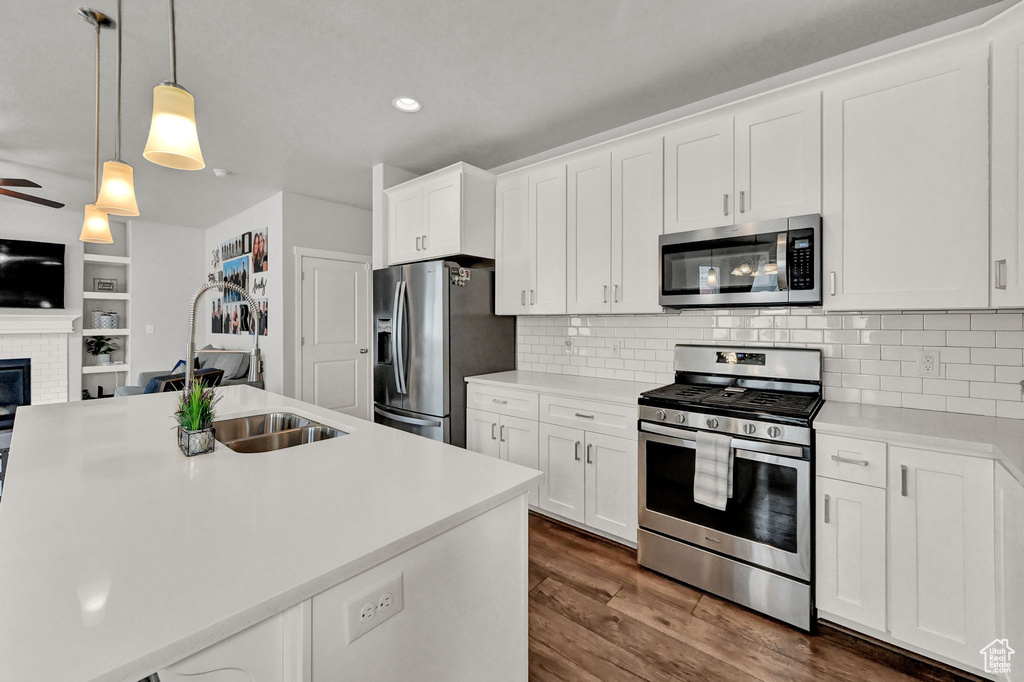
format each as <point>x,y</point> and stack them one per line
<point>434,326</point>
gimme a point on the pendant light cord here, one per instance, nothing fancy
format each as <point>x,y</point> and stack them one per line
<point>174,57</point>
<point>96,166</point>
<point>117,131</point>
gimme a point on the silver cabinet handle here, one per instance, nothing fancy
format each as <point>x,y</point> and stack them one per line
<point>1000,273</point>
<point>725,204</point>
<point>522,297</point>
<point>590,446</point>
<point>584,416</point>
<point>742,207</point>
<point>832,283</point>
<point>604,294</point>
<point>615,293</point>
<point>903,480</point>
<point>499,402</point>
<point>533,297</point>
<point>493,436</point>
<point>577,451</point>
<point>844,460</point>
<point>826,508</point>
<point>424,242</point>
<point>502,432</point>
<point>418,243</point>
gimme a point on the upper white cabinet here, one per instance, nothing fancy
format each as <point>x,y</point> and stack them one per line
<point>445,213</point>
<point>941,544</point>
<point>589,234</point>
<point>906,182</point>
<point>762,162</point>
<point>530,224</point>
<point>1007,166</point>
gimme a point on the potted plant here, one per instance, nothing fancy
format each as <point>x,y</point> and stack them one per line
<point>196,434</point>
<point>100,347</point>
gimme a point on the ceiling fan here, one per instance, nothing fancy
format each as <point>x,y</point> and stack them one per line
<point>15,182</point>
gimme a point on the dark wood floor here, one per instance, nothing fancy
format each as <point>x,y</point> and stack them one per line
<point>595,615</point>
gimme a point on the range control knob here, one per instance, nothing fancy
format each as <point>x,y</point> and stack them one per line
<point>749,429</point>
<point>774,431</point>
<point>660,414</point>
<point>680,418</point>
<point>712,423</point>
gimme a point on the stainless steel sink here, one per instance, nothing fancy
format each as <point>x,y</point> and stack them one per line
<point>272,431</point>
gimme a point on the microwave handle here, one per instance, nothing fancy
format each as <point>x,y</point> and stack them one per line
<point>780,260</point>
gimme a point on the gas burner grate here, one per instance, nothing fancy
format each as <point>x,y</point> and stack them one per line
<point>755,400</point>
<point>683,392</point>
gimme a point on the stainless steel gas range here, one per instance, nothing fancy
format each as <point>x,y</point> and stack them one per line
<point>757,550</point>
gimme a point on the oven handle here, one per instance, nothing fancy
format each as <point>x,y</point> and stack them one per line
<point>792,451</point>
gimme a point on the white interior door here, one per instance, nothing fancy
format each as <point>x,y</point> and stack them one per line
<point>335,343</point>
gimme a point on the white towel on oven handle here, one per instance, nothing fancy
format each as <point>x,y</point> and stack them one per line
<point>712,470</point>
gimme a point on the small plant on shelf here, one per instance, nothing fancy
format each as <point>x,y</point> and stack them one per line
<point>100,347</point>
<point>195,415</point>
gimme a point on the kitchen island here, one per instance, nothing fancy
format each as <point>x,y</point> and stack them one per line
<point>120,557</point>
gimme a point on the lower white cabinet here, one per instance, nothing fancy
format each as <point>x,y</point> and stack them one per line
<point>850,520</point>
<point>942,553</point>
<point>1009,510</point>
<point>590,478</point>
<point>510,438</point>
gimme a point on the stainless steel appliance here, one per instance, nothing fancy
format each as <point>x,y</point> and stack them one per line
<point>774,262</point>
<point>434,325</point>
<point>757,551</point>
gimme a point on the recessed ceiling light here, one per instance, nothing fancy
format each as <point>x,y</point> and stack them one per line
<point>406,104</point>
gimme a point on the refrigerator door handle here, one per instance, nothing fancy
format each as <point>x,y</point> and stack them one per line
<point>398,335</point>
<point>395,330</point>
<point>405,420</point>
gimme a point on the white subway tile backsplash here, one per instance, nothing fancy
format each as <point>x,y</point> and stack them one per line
<point>868,358</point>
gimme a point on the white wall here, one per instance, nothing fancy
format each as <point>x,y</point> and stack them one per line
<point>167,268</point>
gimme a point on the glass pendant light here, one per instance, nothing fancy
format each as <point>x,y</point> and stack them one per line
<point>117,191</point>
<point>173,141</point>
<point>95,226</point>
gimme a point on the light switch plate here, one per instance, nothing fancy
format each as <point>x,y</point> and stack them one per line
<point>372,607</point>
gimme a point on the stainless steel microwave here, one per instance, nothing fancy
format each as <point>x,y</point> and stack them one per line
<point>768,263</point>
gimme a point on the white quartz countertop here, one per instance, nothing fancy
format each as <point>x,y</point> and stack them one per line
<point>991,437</point>
<point>607,390</point>
<point>120,556</point>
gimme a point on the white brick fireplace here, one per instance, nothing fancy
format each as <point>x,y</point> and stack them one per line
<point>43,339</point>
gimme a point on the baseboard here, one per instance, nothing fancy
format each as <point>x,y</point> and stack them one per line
<point>582,528</point>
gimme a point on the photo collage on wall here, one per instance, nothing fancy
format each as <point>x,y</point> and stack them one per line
<point>241,261</point>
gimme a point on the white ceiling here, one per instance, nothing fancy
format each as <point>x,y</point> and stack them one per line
<point>296,96</point>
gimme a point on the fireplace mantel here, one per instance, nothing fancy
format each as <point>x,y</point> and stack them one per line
<point>45,323</point>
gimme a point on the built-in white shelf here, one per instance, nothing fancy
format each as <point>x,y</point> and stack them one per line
<point>109,260</point>
<point>106,332</point>
<point>104,369</point>
<point>106,295</point>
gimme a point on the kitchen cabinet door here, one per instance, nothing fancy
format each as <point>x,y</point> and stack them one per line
<point>638,192</point>
<point>520,441</point>
<point>405,224</point>
<point>442,215</point>
<point>546,293</point>
<point>699,176</point>
<point>906,182</point>
<point>941,552</point>
<point>482,433</point>
<point>778,159</point>
<point>512,243</point>
<point>1009,556</point>
<point>1008,166</point>
<point>611,485</point>
<point>561,459</point>
<point>589,235</point>
<point>850,552</point>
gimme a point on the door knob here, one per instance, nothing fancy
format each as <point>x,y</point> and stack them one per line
<point>364,350</point>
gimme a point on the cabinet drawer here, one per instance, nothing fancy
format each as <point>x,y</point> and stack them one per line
<point>851,459</point>
<point>508,401</point>
<point>612,420</point>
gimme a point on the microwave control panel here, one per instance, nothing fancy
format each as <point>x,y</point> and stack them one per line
<point>801,260</point>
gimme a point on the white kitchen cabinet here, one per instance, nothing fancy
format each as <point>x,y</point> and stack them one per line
<point>942,554</point>
<point>563,489</point>
<point>699,176</point>
<point>638,191</point>
<point>850,551</point>
<point>512,439</point>
<point>445,213</point>
<point>530,225</point>
<point>1009,519</point>
<point>589,235</point>
<point>778,159</point>
<point>1007,166</point>
<point>905,184</point>
<point>610,483</point>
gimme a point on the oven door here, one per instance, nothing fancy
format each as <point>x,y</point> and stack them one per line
<point>766,522</point>
<point>736,265</point>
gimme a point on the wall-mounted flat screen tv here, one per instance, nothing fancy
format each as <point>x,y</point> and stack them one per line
<point>31,274</point>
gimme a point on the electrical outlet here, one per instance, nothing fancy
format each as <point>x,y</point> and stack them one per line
<point>928,363</point>
<point>369,609</point>
<point>567,346</point>
<point>616,345</point>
